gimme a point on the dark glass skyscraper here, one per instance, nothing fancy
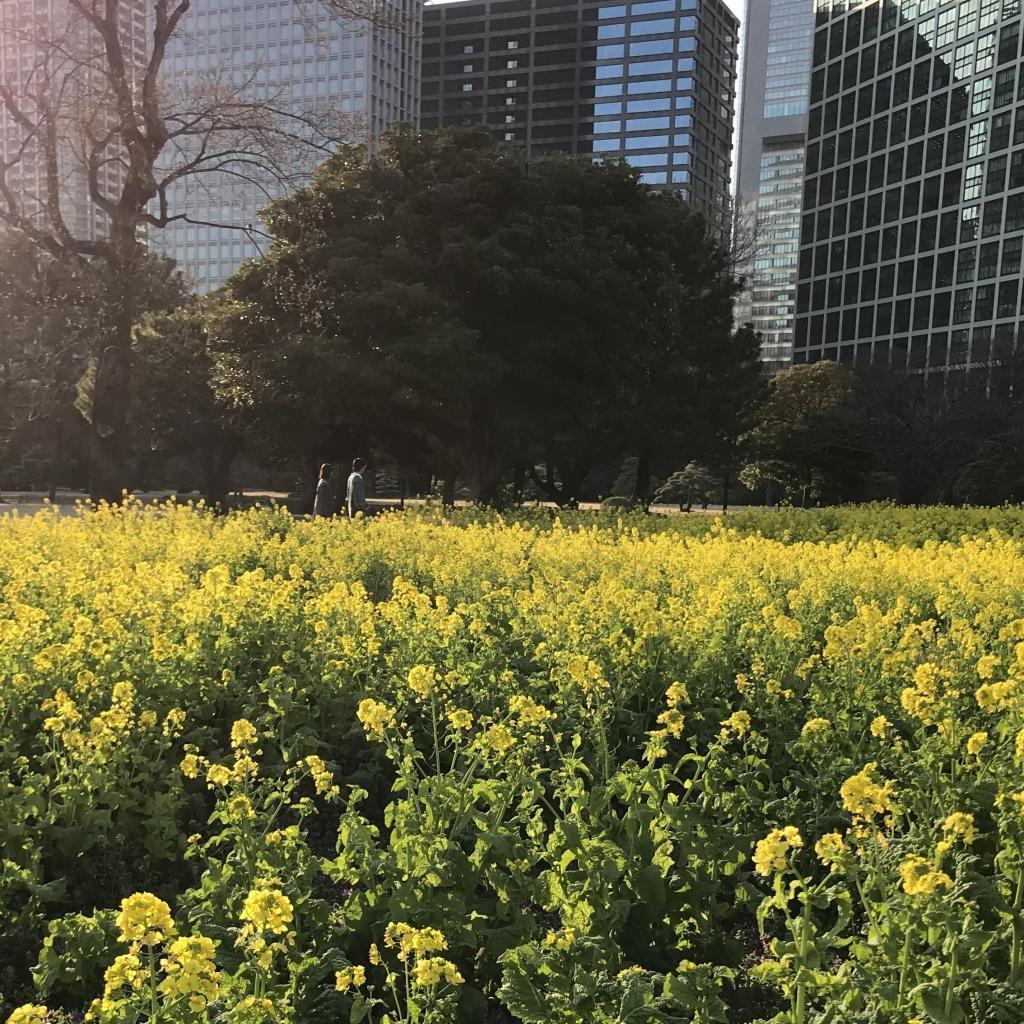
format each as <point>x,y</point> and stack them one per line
<point>773,125</point>
<point>650,80</point>
<point>913,209</point>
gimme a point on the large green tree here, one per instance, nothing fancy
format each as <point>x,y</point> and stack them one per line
<point>458,305</point>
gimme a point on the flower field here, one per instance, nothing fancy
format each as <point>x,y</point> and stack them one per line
<point>484,771</point>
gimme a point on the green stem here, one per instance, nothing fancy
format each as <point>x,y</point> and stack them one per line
<point>951,987</point>
<point>1018,902</point>
<point>801,988</point>
<point>154,1010</point>
<point>904,968</point>
<point>433,715</point>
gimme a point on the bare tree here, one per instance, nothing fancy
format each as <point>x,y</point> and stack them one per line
<point>96,142</point>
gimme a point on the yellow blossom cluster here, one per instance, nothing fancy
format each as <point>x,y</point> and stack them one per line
<point>921,879</point>
<point>771,855</point>
<point>865,798</point>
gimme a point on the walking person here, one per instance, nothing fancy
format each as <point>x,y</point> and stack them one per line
<point>323,503</point>
<point>356,494</point>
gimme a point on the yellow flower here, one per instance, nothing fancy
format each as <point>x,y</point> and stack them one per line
<point>374,954</point>
<point>191,765</point>
<point>349,977</point>
<point>830,848</point>
<point>28,1014</point>
<point>771,853</point>
<point>268,910</point>
<point>960,825</point>
<point>243,734</point>
<point>1018,746</point>
<point>677,694</point>
<point>144,920</point>
<point>976,741</point>
<point>497,740</point>
<point>240,809</point>
<point>529,712</point>
<point>417,941</point>
<point>421,680</point>
<point>879,726</point>
<point>863,797</point>
<point>376,718</point>
<point>987,666</point>
<point>174,722</point>
<point>563,939</point>
<point>323,780</point>
<point>218,775</point>
<point>191,973</point>
<point>994,696</point>
<point>431,971</point>
<point>815,725</point>
<point>920,879</point>
<point>738,722</point>
<point>460,718</point>
<point>673,722</point>
<point>125,972</point>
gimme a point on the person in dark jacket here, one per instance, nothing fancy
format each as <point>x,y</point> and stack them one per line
<point>323,503</point>
<point>355,497</point>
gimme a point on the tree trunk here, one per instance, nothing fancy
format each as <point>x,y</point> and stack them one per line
<point>725,493</point>
<point>448,498</point>
<point>518,483</point>
<point>218,458</point>
<point>58,456</point>
<point>108,447</point>
<point>642,487</point>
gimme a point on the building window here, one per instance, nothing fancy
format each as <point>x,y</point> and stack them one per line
<point>511,83</point>
<point>512,65</point>
<point>510,101</point>
<point>467,69</point>
<point>512,44</point>
<point>467,49</point>
<point>467,87</point>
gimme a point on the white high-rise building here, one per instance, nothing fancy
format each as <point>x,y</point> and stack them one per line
<point>301,56</point>
<point>52,59</point>
<point>773,130</point>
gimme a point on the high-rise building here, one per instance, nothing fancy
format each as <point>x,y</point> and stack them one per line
<point>652,81</point>
<point>306,59</point>
<point>913,223</point>
<point>49,51</point>
<point>773,125</point>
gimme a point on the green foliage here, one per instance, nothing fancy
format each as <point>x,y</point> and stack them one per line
<point>461,308</point>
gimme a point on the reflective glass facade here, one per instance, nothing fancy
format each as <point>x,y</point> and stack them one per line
<point>305,58</point>
<point>913,222</point>
<point>652,81</point>
<point>22,21</point>
<point>773,124</point>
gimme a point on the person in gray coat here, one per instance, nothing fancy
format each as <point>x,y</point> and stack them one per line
<point>323,503</point>
<point>356,494</point>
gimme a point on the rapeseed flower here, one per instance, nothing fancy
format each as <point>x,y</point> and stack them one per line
<point>144,920</point>
<point>772,853</point>
<point>921,879</point>
<point>863,797</point>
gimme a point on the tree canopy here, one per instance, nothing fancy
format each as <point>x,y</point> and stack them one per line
<point>463,307</point>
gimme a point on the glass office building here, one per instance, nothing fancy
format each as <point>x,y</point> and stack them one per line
<point>773,126</point>
<point>29,68</point>
<point>913,222</point>
<point>652,81</point>
<point>308,60</point>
